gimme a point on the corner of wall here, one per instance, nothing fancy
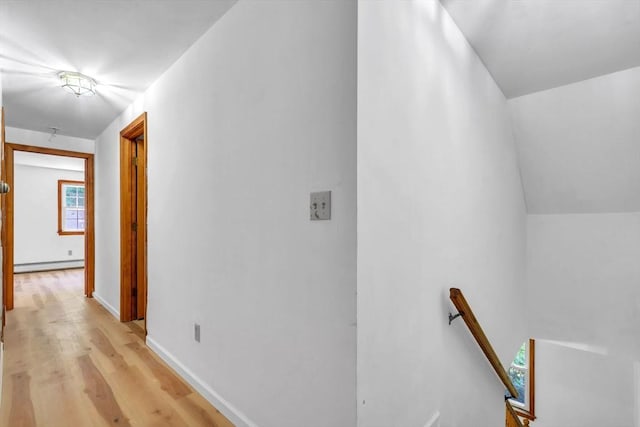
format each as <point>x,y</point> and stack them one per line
<point>232,413</point>
<point>111,309</point>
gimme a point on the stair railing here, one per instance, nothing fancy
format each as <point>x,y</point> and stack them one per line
<point>513,420</point>
<point>464,311</point>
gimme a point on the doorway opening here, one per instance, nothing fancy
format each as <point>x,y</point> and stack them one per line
<point>49,212</point>
<point>87,200</point>
<point>133,223</point>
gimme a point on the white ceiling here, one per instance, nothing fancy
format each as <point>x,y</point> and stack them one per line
<point>577,129</point>
<point>532,45</point>
<point>48,161</point>
<point>578,145</point>
<point>124,44</point>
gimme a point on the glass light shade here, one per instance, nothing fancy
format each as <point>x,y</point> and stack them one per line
<point>77,83</point>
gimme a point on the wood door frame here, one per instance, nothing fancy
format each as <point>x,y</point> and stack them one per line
<point>8,223</point>
<point>128,137</point>
<point>3,209</point>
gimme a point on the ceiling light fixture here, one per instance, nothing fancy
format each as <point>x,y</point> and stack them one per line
<point>77,83</point>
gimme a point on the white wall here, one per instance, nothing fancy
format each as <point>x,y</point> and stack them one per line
<point>440,204</point>
<point>581,388</point>
<point>257,114</point>
<point>579,151</point>
<point>583,276</point>
<point>578,145</point>
<point>583,280</point>
<point>636,394</point>
<point>36,216</point>
<point>41,139</point>
<point>583,286</point>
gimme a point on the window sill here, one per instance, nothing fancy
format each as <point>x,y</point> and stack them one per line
<point>70,233</point>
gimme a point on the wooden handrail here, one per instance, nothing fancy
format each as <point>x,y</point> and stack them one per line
<point>513,420</point>
<point>469,318</point>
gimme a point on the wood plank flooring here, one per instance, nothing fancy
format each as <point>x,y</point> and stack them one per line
<point>68,362</point>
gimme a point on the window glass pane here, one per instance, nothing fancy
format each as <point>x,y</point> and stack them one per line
<point>73,202</point>
<point>71,224</point>
<point>519,379</point>
<point>521,357</point>
<point>74,220</point>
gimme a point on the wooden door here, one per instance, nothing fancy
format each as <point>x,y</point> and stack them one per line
<point>133,240</point>
<point>140,236</point>
<point>137,243</point>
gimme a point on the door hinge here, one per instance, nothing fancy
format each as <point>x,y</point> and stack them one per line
<point>134,227</point>
<point>134,161</point>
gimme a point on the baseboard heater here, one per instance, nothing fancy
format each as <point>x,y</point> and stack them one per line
<point>46,266</point>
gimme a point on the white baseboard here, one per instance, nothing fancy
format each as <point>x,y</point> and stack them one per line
<point>111,309</point>
<point>228,410</point>
<point>48,266</point>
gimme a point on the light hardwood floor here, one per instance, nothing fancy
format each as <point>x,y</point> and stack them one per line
<point>70,363</point>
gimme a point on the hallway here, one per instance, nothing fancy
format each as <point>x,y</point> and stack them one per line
<point>68,362</point>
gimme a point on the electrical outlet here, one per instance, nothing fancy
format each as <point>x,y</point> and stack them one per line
<point>69,252</point>
<point>320,206</point>
<point>196,332</point>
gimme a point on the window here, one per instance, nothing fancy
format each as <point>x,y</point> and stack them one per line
<point>521,372</point>
<point>71,202</point>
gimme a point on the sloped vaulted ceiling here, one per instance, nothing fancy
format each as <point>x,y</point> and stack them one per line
<point>534,45</point>
<point>571,72</point>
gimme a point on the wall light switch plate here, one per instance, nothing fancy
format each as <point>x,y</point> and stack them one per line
<point>320,206</point>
